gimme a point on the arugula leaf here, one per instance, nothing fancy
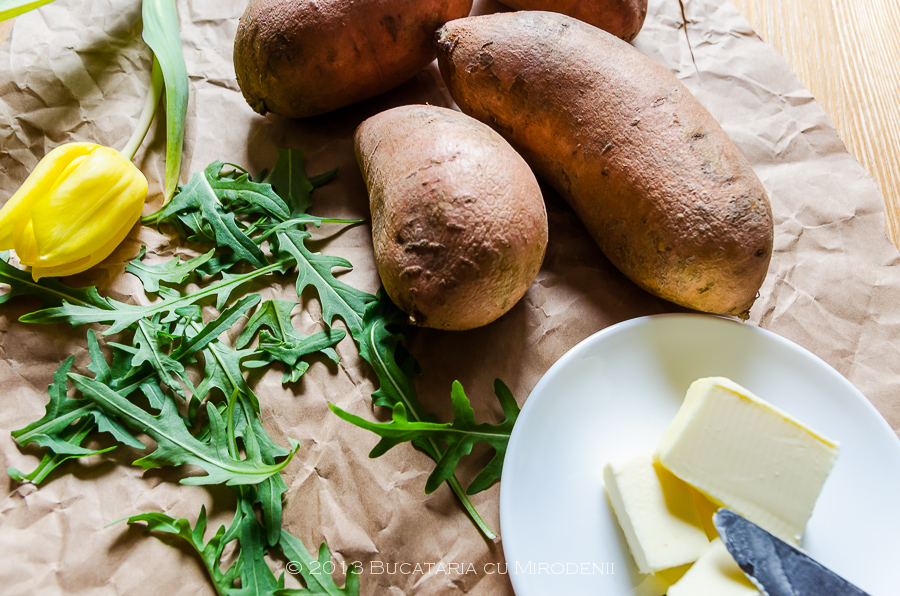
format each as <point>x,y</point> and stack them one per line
<point>210,552</point>
<point>288,178</point>
<point>250,567</point>
<point>318,583</point>
<point>147,349</point>
<point>59,413</point>
<point>226,319</point>
<point>274,314</point>
<point>53,430</point>
<point>200,194</point>
<point>314,269</point>
<point>323,179</point>
<point>57,454</point>
<point>280,342</point>
<point>458,436</point>
<point>269,494</point>
<point>256,577</point>
<point>291,350</point>
<point>175,444</point>
<point>173,272</point>
<point>223,371</point>
<point>382,348</point>
<point>241,194</point>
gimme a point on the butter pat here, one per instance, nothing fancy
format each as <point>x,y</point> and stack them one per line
<point>748,455</point>
<point>714,574</point>
<point>657,514</point>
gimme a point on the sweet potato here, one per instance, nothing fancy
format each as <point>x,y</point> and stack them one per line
<point>656,181</point>
<point>458,220</point>
<point>622,18</point>
<point>299,58</point>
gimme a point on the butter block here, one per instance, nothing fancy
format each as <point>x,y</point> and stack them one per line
<point>743,453</point>
<point>714,574</point>
<point>657,514</point>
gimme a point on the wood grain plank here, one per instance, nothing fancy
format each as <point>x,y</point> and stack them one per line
<point>5,29</point>
<point>846,53</point>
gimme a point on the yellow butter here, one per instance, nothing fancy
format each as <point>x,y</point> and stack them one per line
<point>743,453</point>
<point>657,514</point>
<point>714,574</point>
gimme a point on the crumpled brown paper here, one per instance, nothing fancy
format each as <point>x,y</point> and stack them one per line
<point>76,70</point>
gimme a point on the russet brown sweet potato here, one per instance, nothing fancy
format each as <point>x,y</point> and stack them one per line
<point>458,219</point>
<point>622,18</point>
<point>299,58</point>
<point>656,181</point>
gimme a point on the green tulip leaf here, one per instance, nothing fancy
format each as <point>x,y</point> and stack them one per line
<point>162,34</point>
<point>13,8</point>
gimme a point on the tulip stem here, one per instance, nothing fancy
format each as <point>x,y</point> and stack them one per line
<point>147,113</point>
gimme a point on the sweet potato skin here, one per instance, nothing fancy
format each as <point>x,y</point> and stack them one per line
<point>668,197</point>
<point>300,58</point>
<point>622,18</point>
<point>459,225</point>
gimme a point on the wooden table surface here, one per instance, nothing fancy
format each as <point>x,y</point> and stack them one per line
<point>846,52</point>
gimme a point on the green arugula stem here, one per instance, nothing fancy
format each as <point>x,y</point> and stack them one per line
<point>229,421</point>
<point>299,221</point>
<point>169,305</point>
<point>460,493</point>
<point>135,385</point>
<point>65,419</point>
<point>251,445</point>
<point>51,460</point>
<point>147,113</point>
<point>435,449</point>
<point>48,463</point>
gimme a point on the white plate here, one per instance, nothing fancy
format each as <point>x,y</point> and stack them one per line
<point>614,394</point>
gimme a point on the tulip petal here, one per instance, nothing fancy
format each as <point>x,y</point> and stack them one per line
<point>83,264</point>
<point>39,271</point>
<point>17,209</point>
<point>25,244</point>
<point>102,194</point>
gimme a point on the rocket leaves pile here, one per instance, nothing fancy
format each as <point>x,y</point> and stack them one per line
<point>138,385</point>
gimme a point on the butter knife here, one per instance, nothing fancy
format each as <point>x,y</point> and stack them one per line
<point>773,565</point>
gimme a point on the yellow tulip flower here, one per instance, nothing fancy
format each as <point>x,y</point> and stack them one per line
<point>73,210</point>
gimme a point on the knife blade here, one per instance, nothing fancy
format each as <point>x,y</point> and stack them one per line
<point>773,565</point>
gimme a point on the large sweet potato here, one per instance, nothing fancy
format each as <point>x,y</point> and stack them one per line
<point>299,58</point>
<point>658,184</point>
<point>622,18</point>
<point>458,220</point>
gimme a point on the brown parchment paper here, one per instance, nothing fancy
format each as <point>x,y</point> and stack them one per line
<point>76,70</point>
